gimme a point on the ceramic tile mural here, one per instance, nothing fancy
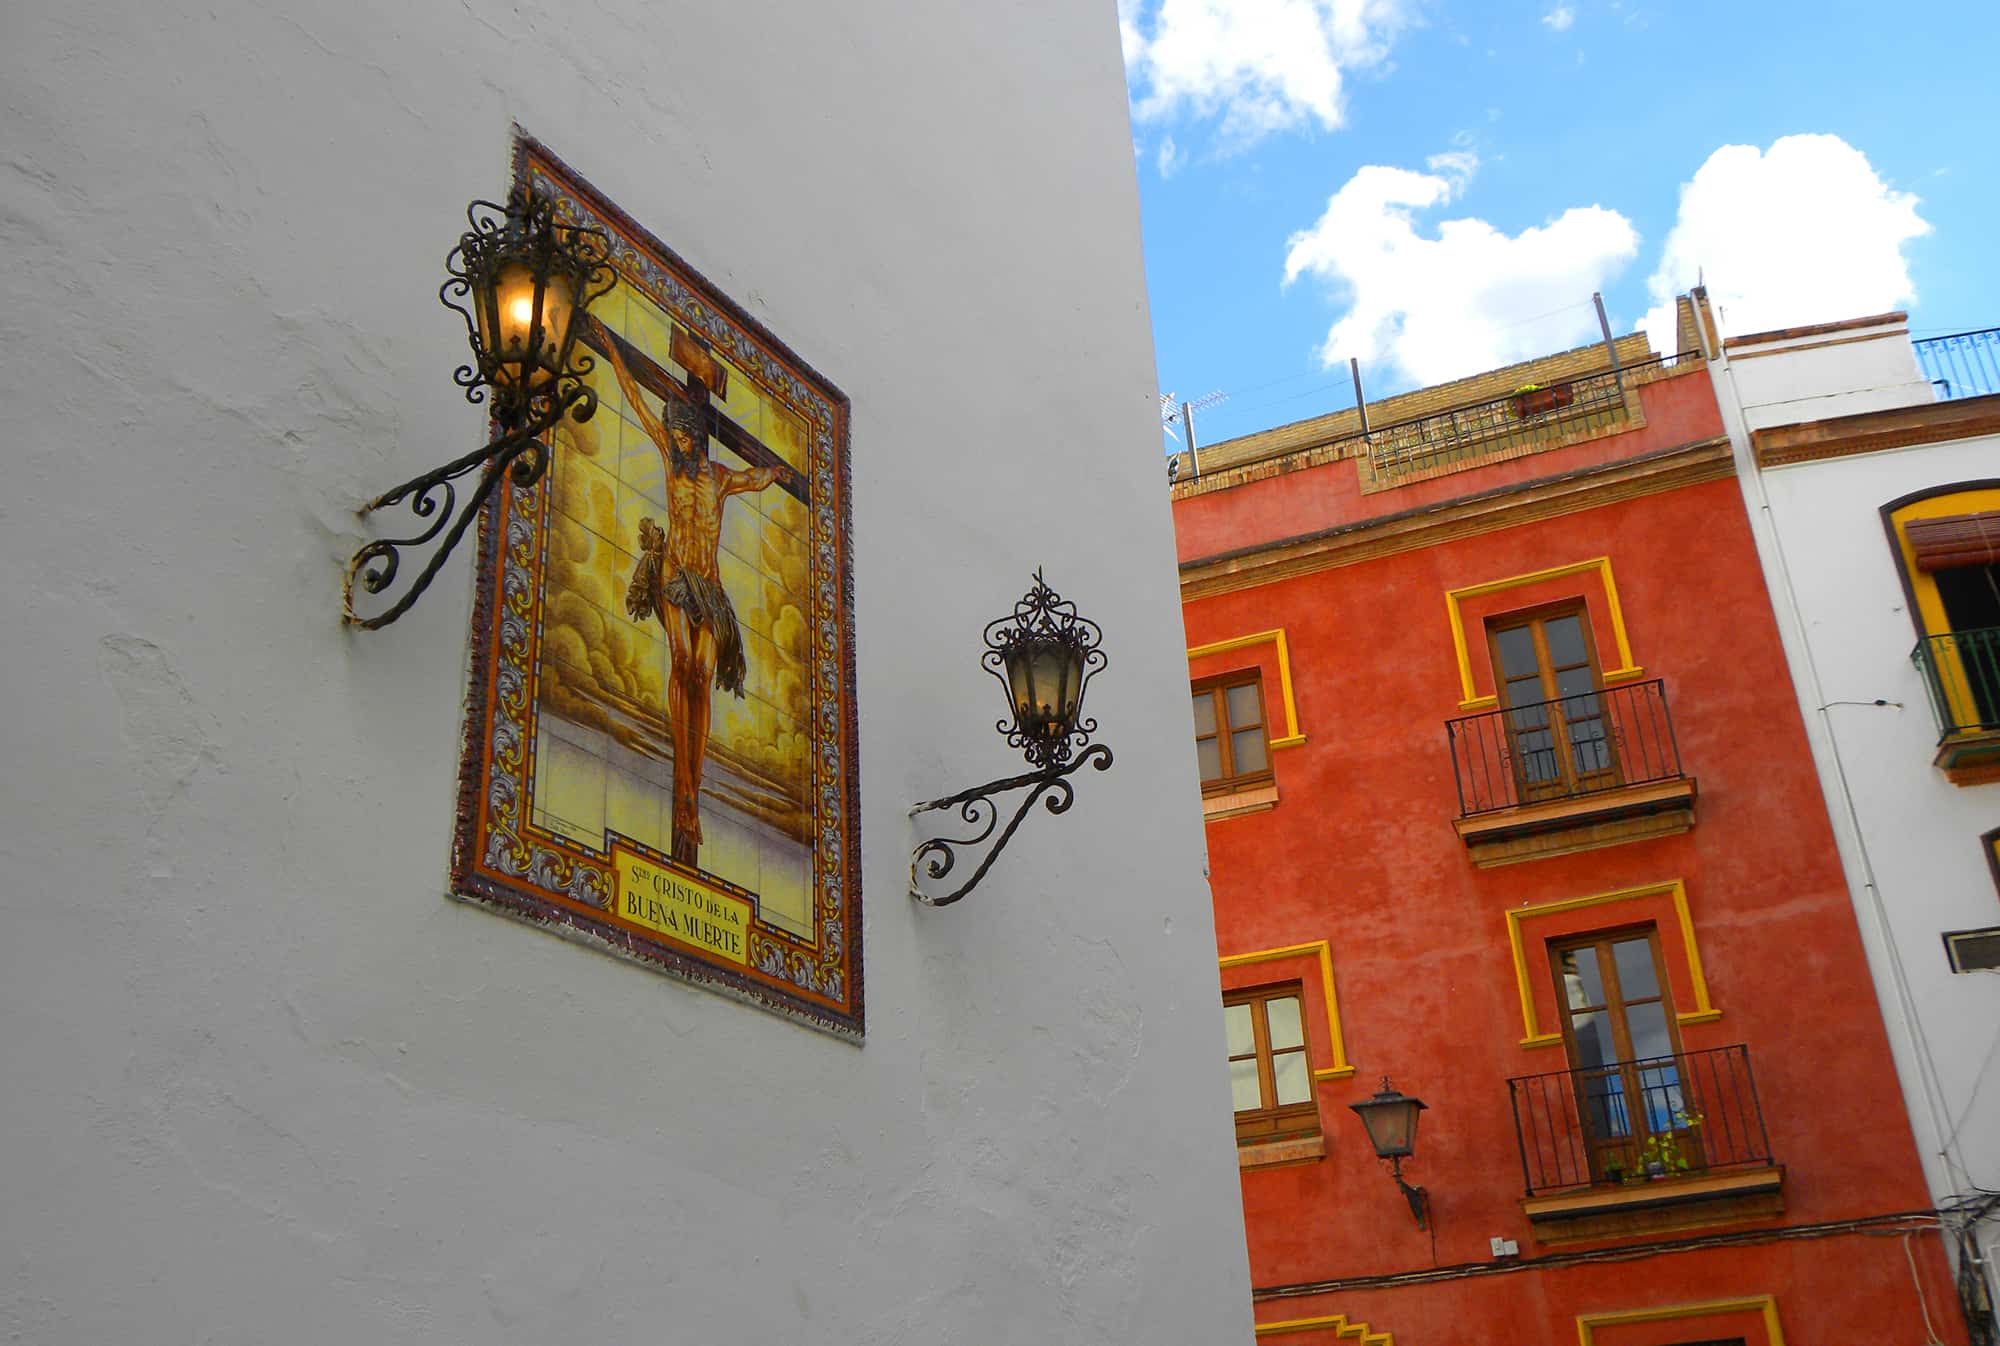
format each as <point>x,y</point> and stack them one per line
<point>660,755</point>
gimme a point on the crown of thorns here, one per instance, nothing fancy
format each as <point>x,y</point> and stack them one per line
<point>685,417</point>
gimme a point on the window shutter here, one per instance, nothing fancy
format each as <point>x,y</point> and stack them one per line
<point>1956,540</point>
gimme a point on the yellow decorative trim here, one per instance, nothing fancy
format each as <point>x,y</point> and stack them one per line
<point>1930,603</point>
<point>1336,1322</point>
<point>1292,737</point>
<point>1340,1069</point>
<point>1626,670</point>
<point>1702,1013</point>
<point>1767,1305</point>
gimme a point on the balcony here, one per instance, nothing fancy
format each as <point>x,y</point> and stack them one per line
<point>1961,674</point>
<point>1553,777</point>
<point>1965,364</point>
<point>1630,1147</point>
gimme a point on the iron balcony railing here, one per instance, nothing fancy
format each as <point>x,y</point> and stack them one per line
<point>1965,364</point>
<point>1659,1118</point>
<point>1564,749</point>
<point>1962,674</point>
<point>1582,405</point>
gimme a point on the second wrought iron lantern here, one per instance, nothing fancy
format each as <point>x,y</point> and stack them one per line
<point>523,280</point>
<point>1044,654</point>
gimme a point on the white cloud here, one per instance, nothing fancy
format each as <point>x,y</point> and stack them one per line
<point>1803,232</point>
<point>1170,158</point>
<point>1560,18</point>
<point>1468,297</point>
<point>1259,66</point>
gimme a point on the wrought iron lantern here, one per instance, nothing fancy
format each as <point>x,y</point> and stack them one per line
<point>523,279</point>
<point>1390,1118</point>
<point>1044,655</point>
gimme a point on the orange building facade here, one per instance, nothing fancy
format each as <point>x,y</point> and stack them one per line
<point>1509,800</point>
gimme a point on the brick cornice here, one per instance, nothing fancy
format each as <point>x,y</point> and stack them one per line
<point>1873,431</point>
<point>1431,525</point>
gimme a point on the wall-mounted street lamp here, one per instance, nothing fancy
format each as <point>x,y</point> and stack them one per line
<point>522,280</point>
<point>1044,655</point>
<point>1391,1120</point>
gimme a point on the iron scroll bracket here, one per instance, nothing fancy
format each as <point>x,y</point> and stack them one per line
<point>936,857</point>
<point>432,496</point>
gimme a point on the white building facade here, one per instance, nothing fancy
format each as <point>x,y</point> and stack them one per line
<point>1876,508</point>
<point>264,1080</point>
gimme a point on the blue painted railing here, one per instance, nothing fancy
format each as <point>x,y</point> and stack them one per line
<point>1965,364</point>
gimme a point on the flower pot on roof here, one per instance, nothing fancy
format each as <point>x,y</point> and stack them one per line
<point>1532,399</point>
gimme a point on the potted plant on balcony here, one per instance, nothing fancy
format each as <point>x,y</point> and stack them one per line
<point>1665,1153</point>
<point>1532,399</point>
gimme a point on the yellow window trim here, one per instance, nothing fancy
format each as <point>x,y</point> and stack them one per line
<point>1339,1070</point>
<point>1292,737</point>
<point>1600,565</point>
<point>1702,1013</point>
<point>1336,1323</point>
<point>1930,606</point>
<point>1767,1305</point>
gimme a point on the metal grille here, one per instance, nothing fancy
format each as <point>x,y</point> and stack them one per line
<point>1965,364</point>
<point>1602,1125</point>
<point>1962,675</point>
<point>1565,748</point>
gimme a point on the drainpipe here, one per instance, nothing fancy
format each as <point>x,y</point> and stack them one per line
<point>1900,1017</point>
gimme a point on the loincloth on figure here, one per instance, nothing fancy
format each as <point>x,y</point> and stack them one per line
<point>653,590</point>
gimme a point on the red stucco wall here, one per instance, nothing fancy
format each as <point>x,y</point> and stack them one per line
<point>1360,851</point>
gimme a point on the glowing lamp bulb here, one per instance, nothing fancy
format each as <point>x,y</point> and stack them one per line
<point>522,310</point>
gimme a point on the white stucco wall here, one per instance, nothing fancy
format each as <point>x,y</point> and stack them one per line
<point>1869,366</point>
<point>263,1081</point>
<point>1909,839</point>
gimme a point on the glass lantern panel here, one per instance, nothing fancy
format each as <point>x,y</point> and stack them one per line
<point>1389,1128</point>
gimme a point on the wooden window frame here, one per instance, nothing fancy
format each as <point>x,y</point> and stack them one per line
<point>1627,1147</point>
<point>1568,781</point>
<point>1218,687</point>
<point>1275,1122</point>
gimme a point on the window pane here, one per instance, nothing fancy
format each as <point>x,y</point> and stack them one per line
<point>1243,707</point>
<point>1575,682</point>
<point>1237,1019</point>
<point>1209,753</point>
<point>1565,637</point>
<point>1594,1046</point>
<point>1293,1080</point>
<point>1582,983</point>
<point>1247,747</point>
<point>1204,712</point>
<point>1517,651</point>
<point>1648,1026</point>
<point>1636,979</point>
<point>1243,1085</point>
<point>1284,1023</point>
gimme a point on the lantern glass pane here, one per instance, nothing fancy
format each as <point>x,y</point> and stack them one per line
<point>1020,687</point>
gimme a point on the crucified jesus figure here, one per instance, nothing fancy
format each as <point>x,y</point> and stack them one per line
<point>677,581</point>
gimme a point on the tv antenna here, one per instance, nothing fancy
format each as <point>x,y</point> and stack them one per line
<point>1184,413</point>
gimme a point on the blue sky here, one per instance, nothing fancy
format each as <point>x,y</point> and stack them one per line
<point>1444,182</point>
